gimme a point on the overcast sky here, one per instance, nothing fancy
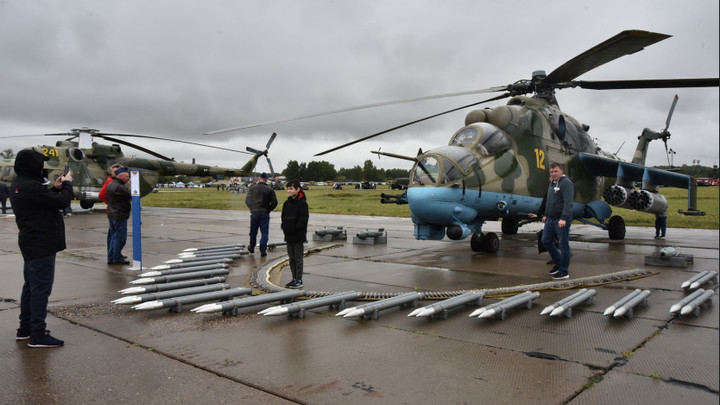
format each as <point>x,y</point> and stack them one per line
<point>178,68</point>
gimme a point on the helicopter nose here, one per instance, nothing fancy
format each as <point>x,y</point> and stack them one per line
<point>440,206</point>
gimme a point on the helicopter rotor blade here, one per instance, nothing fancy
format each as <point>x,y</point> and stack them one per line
<point>362,107</point>
<point>103,135</point>
<point>624,43</point>
<point>140,148</point>
<point>272,172</point>
<point>270,141</point>
<point>255,151</point>
<point>670,113</point>
<point>644,84</point>
<point>411,123</point>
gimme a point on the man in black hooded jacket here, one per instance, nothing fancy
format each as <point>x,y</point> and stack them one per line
<point>41,234</point>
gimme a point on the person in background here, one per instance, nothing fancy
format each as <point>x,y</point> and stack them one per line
<point>102,196</point>
<point>294,217</point>
<point>118,197</point>
<point>3,197</point>
<point>261,200</point>
<point>41,234</point>
<point>661,224</point>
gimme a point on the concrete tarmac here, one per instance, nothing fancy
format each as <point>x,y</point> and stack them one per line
<point>114,354</point>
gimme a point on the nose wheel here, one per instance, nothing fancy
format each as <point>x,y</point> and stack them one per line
<point>488,242</point>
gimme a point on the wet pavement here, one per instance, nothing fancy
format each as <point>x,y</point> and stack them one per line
<point>114,354</point>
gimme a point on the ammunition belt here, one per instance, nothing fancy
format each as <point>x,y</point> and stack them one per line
<point>260,279</point>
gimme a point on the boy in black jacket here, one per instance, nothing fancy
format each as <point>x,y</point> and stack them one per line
<point>294,225</point>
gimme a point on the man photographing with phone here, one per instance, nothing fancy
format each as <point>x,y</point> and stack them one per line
<point>41,234</point>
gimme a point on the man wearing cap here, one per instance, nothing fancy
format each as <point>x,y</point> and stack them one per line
<point>41,234</point>
<point>260,200</point>
<point>118,200</point>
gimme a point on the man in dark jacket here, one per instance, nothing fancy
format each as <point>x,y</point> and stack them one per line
<point>41,234</point>
<point>295,217</point>
<point>118,200</point>
<point>261,200</point>
<point>557,219</point>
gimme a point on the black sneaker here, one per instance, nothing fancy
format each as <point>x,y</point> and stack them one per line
<point>561,276</point>
<point>298,284</point>
<point>22,334</point>
<point>291,284</point>
<point>553,271</point>
<point>44,340</point>
<point>263,254</point>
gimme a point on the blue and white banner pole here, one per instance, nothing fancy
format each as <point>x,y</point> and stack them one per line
<point>136,220</point>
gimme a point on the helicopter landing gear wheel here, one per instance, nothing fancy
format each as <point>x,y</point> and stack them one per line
<point>476,242</point>
<point>509,225</point>
<point>86,204</point>
<point>616,228</point>
<point>490,242</point>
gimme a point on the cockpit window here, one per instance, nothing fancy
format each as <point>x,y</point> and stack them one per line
<point>486,139</point>
<point>443,165</point>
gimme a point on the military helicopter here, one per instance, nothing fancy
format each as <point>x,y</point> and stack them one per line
<point>496,166</point>
<point>89,162</point>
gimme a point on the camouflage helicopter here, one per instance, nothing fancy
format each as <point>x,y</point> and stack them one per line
<point>89,162</point>
<point>496,166</point>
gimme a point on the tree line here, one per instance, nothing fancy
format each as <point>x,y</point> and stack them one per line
<point>325,171</point>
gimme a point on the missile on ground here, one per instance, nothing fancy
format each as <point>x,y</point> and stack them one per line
<point>196,259</point>
<point>442,308</point>
<point>175,304</point>
<point>298,308</point>
<point>231,307</point>
<point>178,277</point>
<point>565,308</point>
<point>372,310</point>
<point>694,305</point>
<point>172,286</point>
<point>504,306</point>
<point>550,308</point>
<point>213,253</point>
<point>136,299</point>
<point>330,231</point>
<point>190,264</point>
<point>702,280</point>
<point>626,309</point>
<point>371,234</point>
<point>611,309</point>
<point>479,311</point>
<point>219,247</point>
<point>181,270</point>
<point>692,279</point>
<point>678,305</point>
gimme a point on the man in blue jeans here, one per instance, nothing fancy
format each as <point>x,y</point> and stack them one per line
<point>41,234</point>
<point>557,219</point>
<point>118,198</point>
<point>261,200</point>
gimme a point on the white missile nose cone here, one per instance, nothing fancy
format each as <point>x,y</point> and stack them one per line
<point>685,285</point>
<point>557,311</point>
<point>160,267</point>
<point>675,308</point>
<point>415,312</point>
<point>694,285</point>
<point>425,312</point>
<point>686,310</point>
<point>547,310</point>
<point>343,312</point>
<point>619,312</point>
<point>150,274</point>
<point>487,314</point>
<point>127,300</point>
<point>609,311</point>
<point>173,261</point>
<point>477,312</point>
<point>353,313</point>
<point>132,290</point>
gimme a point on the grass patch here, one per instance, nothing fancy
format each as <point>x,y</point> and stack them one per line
<point>324,200</point>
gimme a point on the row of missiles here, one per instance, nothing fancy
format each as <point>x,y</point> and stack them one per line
<point>196,277</point>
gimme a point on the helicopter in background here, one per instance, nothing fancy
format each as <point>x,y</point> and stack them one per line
<point>496,166</point>
<point>90,161</point>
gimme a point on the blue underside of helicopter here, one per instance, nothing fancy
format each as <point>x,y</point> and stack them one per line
<point>434,209</point>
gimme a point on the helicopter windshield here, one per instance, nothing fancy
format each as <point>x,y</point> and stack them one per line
<point>485,138</point>
<point>443,165</point>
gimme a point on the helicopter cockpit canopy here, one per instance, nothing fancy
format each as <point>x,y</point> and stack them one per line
<point>484,138</point>
<point>443,165</point>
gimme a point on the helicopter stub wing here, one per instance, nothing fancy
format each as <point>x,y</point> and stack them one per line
<point>600,166</point>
